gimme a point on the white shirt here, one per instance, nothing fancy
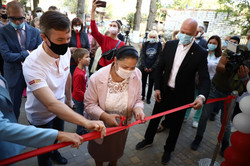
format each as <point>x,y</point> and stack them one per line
<point>41,70</point>
<point>212,62</point>
<point>180,54</point>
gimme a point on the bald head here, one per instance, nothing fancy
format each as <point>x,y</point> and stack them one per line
<point>189,27</point>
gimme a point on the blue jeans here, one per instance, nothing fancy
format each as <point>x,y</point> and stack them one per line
<point>58,124</point>
<point>79,109</point>
<point>208,108</point>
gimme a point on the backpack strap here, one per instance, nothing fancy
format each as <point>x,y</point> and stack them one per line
<point>117,44</point>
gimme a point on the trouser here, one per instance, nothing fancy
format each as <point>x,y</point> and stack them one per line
<point>58,124</point>
<point>79,109</point>
<point>16,95</point>
<point>172,100</point>
<point>146,75</point>
<point>208,108</point>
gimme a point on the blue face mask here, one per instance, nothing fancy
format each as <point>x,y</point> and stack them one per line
<point>248,46</point>
<point>88,23</point>
<point>224,43</point>
<point>152,40</point>
<point>17,26</point>
<point>211,47</point>
<point>185,39</point>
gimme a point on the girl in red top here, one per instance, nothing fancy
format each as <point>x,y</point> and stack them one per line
<point>106,42</point>
<point>81,56</point>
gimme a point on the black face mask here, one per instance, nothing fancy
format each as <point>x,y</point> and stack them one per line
<point>59,49</point>
<point>4,16</point>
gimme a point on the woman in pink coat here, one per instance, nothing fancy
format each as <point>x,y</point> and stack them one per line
<point>114,91</point>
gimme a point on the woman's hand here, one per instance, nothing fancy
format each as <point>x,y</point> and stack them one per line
<point>94,5</point>
<point>110,119</point>
<point>96,126</point>
<point>139,114</point>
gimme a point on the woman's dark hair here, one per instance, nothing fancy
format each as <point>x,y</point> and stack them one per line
<point>76,21</point>
<point>126,52</point>
<point>53,20</point>
<point>217,51</point>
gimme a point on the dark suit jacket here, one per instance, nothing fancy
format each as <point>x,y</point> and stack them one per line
<point>203,43</point>
<point>195,61</point>
<point>12,53</point>
<point>83,37</point>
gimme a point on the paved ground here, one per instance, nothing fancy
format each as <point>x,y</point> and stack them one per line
<point>182,156</point>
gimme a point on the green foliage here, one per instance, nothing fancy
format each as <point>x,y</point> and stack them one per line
<point>71,5</point>
<point>194,4</point>
<point>109,10</point>
<point>162,13</point>
<point>130,20</point>
<point>238,13</point>
<point>24,3</point>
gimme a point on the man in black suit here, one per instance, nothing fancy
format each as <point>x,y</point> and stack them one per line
<point>174,84</point>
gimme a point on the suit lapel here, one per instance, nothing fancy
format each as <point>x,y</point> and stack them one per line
<point>13,35</point>
<point>171,55</point>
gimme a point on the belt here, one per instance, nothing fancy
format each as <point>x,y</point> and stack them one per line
<point>170,88</point>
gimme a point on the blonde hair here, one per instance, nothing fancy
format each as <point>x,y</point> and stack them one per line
<point>153,33</point>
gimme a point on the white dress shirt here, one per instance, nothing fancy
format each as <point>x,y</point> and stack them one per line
<point>180,54</point>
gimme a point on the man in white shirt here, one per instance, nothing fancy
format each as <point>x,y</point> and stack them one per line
<point>174,85</point>
<point>48,79</point>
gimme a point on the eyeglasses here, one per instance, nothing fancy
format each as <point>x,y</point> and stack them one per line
<point>16,18</point>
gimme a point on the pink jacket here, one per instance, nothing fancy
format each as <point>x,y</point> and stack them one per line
<point>96,93</point>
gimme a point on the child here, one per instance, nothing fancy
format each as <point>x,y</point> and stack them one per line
<point>81,57</point>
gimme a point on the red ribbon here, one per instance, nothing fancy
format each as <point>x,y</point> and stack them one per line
<point>94,135</point>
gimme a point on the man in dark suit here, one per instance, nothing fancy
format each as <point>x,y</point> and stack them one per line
<point>17,39</point>
<point>199,39</point>
<point>174,84</point>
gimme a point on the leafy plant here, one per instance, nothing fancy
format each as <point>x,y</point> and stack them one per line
<point>238,13</point>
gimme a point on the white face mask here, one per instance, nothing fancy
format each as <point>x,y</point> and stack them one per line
<point>124,74</point>
<point>39,14</point>
<point>113,30</point>
<point>77,28</point>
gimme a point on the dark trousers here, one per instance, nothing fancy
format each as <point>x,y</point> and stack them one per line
<point>170,101</point>
<point>45,159</point>
<point>16,95</point>
<point>146,75</point>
